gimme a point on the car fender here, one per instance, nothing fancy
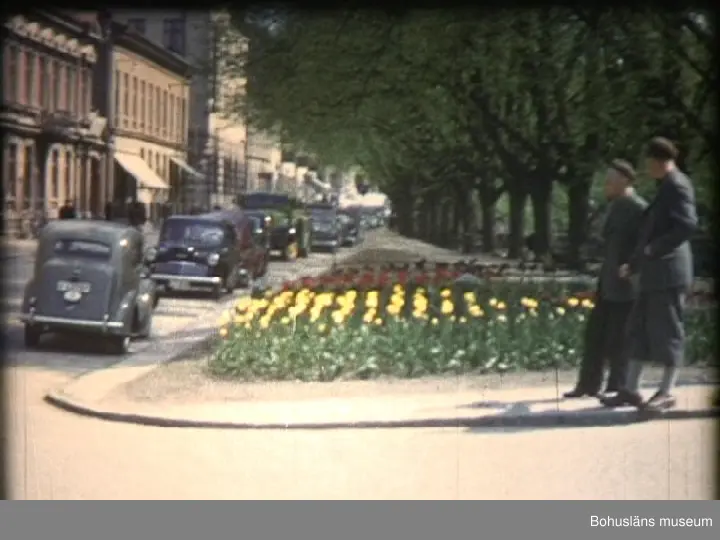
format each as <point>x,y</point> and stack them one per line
<point>147,289</point>
<point>125,309</point>
<point>27,294</point>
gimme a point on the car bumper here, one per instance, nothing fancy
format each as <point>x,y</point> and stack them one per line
<point>317,242</point>
<point>109,327</point>
<point>182,282</point>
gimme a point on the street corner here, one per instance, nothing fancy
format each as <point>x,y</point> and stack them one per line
<point>534,410</point>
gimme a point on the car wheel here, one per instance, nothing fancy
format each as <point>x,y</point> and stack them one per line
<point>120,344</point>
<point>217,292</point>
<point>230,282</point>
<point>32,336</point>
<point>147,330</point>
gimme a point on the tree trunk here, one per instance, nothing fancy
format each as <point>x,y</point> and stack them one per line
<point>487,211</point>
<point>516,233</point>
<point>578,212</point>
<point>541,199</point>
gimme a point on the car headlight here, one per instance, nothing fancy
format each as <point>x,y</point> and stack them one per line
<point>213,259</point>
<point>150,254</point>
<point>291,230</point>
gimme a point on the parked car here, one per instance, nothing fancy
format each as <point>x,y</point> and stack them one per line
<point>218,251</point>
<point>290,232</point>
<point>325,226</point>
<point>351,226</point>
<point>89,278</point>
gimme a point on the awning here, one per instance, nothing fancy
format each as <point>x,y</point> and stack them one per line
<point>136,166</point>
<point>187,168</point>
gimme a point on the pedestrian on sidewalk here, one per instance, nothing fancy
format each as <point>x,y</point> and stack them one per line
<point>67,211</point>
<point>662,263</point>
<point>605,330</point>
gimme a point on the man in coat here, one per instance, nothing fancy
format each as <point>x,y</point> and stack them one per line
<point>67,211</point>
<point>662,264</point>
<point>605,330</point>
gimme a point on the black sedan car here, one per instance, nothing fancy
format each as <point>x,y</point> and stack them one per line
<point>325,226</point>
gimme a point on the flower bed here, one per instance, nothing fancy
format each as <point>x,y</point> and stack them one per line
<point>324,329</point>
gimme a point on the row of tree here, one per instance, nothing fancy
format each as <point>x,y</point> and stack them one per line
<point>448,111</point>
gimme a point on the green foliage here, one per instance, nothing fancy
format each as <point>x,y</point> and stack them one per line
<point>442,98</point>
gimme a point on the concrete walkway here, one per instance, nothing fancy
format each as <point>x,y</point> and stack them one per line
<point>532,407</point>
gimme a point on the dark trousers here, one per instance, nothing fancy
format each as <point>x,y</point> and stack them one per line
<point>605,343</point>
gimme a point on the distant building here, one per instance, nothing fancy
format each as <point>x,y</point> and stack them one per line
<point>217,146</point>
<point>52,144</point>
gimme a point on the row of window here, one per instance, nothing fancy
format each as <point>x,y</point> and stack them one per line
<point>18,155</point>
<point>173,32</point>
<point>40,80</point>
<point>149,108</point>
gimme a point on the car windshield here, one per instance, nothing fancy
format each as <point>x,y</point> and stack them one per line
<point>83,249</point>
<point>197,233</point>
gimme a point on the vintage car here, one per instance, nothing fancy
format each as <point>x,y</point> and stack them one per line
<point>351,225</point>
<point>89,277</point>
<point>290,232</point>
<point>325,226</point>
<point>218,251</point>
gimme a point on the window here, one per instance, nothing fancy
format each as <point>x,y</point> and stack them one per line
<point>117,92</point>
<point>183,121</point>
<point>56,85</point>
<point>151,116</point>
<point>71,94</point>
<point>44,77</point>
<point>83,98</point>
<point>11,174</point>
<point>142,153</point>
<point>174,35</point>
<point>30,87</point>
<point>158,109</point>
<point>150,157</point>
<point>134,101</point>
<point>142,104</point>
<point>137,25</point>
<point>171,119</point>
<point>157,162</point>
<point>60,86</point>
<point>10,75</point>
<point>126,98</point>
<point>54,172</point>
<point>68,175</point>
<point>165,112</point>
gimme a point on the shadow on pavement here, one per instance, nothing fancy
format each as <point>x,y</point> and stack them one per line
<point>595,417</point>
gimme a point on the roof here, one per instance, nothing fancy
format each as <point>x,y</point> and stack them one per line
<point>99,230</point>
<point>128,39</point>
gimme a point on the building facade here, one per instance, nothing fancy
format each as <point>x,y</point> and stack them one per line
<point>52,139</point>
<point>230,156</point>
<point>150,107</point>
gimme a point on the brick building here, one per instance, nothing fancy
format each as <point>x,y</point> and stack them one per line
<point>52,140</point>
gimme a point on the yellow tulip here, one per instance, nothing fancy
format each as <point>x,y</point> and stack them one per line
<point>377,321</point>
<point>445,293</point>
<point>501,305</point>
<point>223,332</point>
<point>462,320</point>
<point>475,311</point>
<point>447,307</point>
<point>322,327</point>
<point>502,318</point>
<point>434,321</point>
<point>285,320</point>
<point>493,302</point>
<point>394,309</point>
<point>587,303</point>
<point>560,310</point>
<point>573,302</point>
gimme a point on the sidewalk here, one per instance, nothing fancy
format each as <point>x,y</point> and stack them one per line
<point>525,407</point>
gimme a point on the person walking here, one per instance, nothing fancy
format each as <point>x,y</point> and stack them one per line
<point>605,330</point>
<point>662,263</point>
<point>67,211</point>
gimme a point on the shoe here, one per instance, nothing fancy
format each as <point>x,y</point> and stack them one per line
<point>660,402</point>
<point>578,393</point>
<point>622,399</point>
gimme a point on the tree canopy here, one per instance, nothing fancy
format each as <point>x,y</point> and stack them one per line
<point>441,107</point>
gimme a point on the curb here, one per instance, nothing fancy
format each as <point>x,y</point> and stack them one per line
<point>538,420</point>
